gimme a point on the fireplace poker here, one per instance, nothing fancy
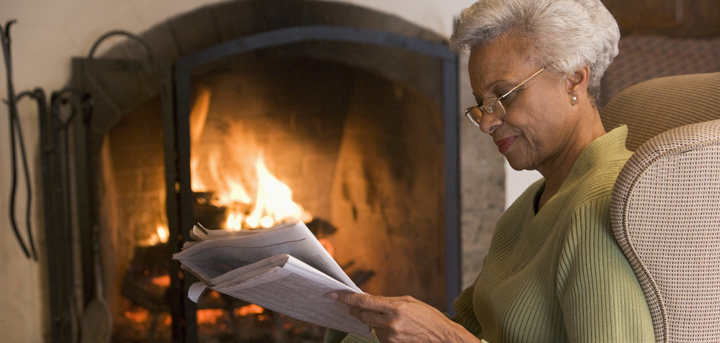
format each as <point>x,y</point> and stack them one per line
<point>96,322</point>
<point>15,128</point>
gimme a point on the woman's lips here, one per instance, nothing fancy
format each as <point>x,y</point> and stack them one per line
<point>504,144</point>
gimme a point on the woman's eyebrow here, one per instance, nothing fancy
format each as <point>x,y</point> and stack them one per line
<point>491,87</point>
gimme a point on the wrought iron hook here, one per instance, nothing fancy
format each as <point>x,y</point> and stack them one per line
<point>79,102</point>
<point>120,33</point>
<point>39,96</point>
<point>15,128</point>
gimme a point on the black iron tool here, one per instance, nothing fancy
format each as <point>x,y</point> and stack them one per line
<point>29,248</point>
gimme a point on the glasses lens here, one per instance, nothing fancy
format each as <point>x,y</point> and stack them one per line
<point>494,107</point>
<point>474,114</point>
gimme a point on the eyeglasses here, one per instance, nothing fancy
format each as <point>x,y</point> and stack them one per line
<point>493,106</point>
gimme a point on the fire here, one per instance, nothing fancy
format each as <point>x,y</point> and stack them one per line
<point>161,235</point>
<point>209,316</point>
<point>248,310</point>
<point>273,202</point>
<point>162,281</point>
<point>138,316</point>
<point>234,221</point>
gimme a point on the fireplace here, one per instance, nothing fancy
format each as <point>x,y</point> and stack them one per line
<point>351,113</point>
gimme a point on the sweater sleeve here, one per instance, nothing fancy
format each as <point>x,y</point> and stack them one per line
<point>335,336</point>
<point>599,294</point>
<point>465,312</point>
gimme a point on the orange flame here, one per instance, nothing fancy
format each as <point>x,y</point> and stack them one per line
<point>209,316</point>
<point>273,201</point>
<point>198,116</point>
<point>162,281</point>
<point>161,235</point>
<point>138,316</point>
<point>248,310</point>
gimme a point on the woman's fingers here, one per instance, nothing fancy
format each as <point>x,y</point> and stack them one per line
<point>363,301</point>
<point>403,319</point>
<point>374,311</point>
<point>369,317</point>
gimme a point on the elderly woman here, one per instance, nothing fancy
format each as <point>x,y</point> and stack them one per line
<point>554,272</point>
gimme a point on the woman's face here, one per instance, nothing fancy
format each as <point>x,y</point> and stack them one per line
<point>537,121</point>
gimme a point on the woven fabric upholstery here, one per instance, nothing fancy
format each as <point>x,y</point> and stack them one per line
<point>646,57</point>
<point>666,217</point>
<point>655,106</point>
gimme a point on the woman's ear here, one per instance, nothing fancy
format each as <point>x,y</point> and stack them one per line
<point>576,83</point>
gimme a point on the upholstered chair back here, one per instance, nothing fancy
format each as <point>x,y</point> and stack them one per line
<point>655,106</point>
<point>666,202</point>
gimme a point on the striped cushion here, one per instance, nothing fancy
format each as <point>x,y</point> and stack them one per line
<point>655,106</point>
<point>666,217</point>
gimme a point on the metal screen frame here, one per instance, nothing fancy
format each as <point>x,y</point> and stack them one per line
<point>177,149</point>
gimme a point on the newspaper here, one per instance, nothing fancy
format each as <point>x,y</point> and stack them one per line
<point>284,269</point>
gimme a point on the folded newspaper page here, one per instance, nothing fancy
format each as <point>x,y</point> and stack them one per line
<point>284,269</point>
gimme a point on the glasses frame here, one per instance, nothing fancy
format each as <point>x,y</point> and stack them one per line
<point>469,112</point>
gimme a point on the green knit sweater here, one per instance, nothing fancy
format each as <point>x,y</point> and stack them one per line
<point>558,275</point>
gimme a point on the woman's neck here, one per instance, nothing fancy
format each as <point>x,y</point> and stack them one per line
<point>558,169</point>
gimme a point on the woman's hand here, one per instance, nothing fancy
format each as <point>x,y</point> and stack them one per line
<point>403,319</point>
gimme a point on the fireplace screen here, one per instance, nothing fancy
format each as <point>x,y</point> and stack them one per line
<point>253,136</point>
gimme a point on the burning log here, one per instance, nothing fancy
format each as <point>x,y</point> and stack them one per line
<point>148,264</point>
<point>206,210</point>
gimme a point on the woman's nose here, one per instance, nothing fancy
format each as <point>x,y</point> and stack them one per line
<point>489,123</point>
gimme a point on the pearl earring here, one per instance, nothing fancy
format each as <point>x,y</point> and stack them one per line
<point>574,98</point>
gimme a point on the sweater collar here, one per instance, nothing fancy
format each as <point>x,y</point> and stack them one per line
<point>603,149</point>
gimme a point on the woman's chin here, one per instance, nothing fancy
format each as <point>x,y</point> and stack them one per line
<point>516,163</point>
<point>515,166</point>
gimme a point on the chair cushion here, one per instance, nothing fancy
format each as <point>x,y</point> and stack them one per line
<point>655,106</point>
<point>666,217</point>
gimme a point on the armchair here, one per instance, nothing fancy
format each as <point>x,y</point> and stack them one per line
<point>666,202</point>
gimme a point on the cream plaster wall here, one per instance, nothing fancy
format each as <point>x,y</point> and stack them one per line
<point>516,181</point>
<point>48,34</point>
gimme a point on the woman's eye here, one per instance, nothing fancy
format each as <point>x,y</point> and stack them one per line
<point>509,98</point>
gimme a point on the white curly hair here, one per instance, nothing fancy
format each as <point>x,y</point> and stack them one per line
<point>566,34</point>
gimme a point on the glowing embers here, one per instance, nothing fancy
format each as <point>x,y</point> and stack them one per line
<point>248,323</point>
<point>224,169</point>
<point>224,319</point>
<point>249,309</point>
